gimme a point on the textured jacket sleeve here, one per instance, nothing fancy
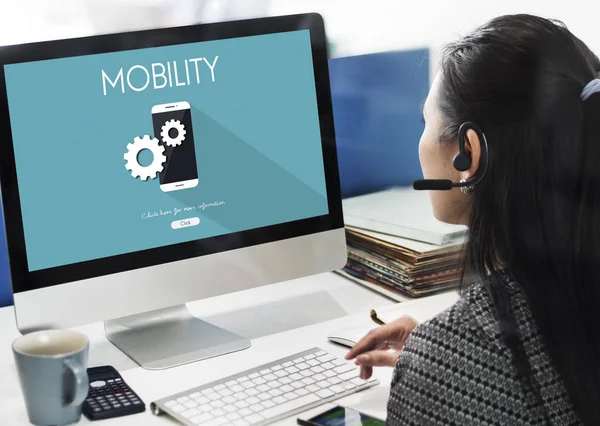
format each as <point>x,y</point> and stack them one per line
<point>449,373</point>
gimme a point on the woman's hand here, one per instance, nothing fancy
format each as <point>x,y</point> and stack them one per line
<point>381,346</point>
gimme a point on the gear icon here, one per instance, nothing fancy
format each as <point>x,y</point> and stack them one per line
<point>133,149</point>
<point>173,125</point>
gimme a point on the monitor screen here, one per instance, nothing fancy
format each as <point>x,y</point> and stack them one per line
<point>133,150</point>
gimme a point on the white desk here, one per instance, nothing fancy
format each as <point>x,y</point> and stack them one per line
<point>300,313</point>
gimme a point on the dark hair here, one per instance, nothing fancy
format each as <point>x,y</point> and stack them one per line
<point>537,210</point>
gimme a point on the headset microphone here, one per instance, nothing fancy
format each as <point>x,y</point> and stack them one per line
<point>461,162</point>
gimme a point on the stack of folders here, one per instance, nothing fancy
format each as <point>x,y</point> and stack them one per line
<point>397,247</point>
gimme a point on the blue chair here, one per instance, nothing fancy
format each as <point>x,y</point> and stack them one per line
<point>377,101</point>
<point>5,287</point>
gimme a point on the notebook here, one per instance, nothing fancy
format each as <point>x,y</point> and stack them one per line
<point>401,212</point>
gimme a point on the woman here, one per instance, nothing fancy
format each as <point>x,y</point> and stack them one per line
<point>522,346</point>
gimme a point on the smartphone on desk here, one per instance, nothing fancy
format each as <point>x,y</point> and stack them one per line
<point>341,416</point>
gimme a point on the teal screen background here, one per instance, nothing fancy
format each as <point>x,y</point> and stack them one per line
<point>257,141</point>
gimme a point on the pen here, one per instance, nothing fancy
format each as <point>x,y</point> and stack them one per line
<point>375,318</point>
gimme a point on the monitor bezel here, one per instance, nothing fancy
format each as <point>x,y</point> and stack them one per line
<point>24,280</point>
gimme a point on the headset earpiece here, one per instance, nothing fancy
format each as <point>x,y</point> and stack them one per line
<point>462,162</point>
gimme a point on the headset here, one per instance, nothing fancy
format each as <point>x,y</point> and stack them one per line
<point>461,162</point>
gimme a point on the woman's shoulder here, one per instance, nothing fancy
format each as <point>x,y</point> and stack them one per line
<point>456,361</point>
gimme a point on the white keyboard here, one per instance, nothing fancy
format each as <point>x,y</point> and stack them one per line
<point>268,393</point>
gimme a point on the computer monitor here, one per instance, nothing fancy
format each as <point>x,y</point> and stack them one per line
<point>144,170</point>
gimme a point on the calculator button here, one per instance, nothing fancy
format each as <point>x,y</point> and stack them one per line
<point>118,380</point>
<point>137,402</point>
<point>117,405</point>
<point>97,410</point>
<point>98,384</point>
<point>126,404</point>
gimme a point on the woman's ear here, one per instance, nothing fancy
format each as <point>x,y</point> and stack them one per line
<point>473,148</point>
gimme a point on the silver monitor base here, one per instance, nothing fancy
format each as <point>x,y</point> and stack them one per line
<point>170,337</point>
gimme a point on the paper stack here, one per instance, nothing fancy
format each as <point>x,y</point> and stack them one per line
<point>389,257</point>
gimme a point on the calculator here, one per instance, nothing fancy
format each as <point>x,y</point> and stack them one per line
<point>109,396</point>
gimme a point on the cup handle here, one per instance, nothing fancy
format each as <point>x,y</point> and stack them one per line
<point>81,382</point>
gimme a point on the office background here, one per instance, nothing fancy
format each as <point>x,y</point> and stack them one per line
<point>383,56</point>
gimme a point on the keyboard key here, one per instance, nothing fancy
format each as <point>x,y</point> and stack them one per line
<point>344,368</point>
<point>349,375</point>
<point>190,404</point>
<point>259,381</point>
<point>240,395</point>
<point>263,388</point>
<point>319,377</point>
<point>329,373</point>
<point>218,412</point>
<point>285,380</point>
<point>312,362</point>
<point>254,375</point>
<point>291,395</point>
<point>307,357</point>
<point>216,422</point>
<point>230,409</point>
<point>243,379</point>
<point>253,400</point>
<point>313,388</point>
<point>301,391</point>
<point>286,388</point>
<point>287,364</point>
<point>328,366</point>
<point>183,399</point>
<point>188,414</point>
<point>233,416</point>
<point>337,389</point>
<point>264,396</point>
<point>245,412</point>
<point>306,373</point>
<point>338,362</point>
<point>169,404</point>
<point>288,406</point>
<point>229,400</point>
<point>308,381</point>
<point>317,369</point>
<point>236,388</point>
<point>270,377</point>
<point>231,383</point>
<point>298,360</point>
<point>268,404</point>
<point>297,385</point>
<point>275,392</point>
<point>265,371</point>
<point>241,405</point>
<point>225,392</point>
<point>276,368</point>
<point>254,418</point>
<point>281,373</point>
<point>177,408</point>
<point>320,353</point>
<point>257,408</point>
<point>205,408</point>
<point>323,384</point>
<point>217,404</point>
<point>302,366</point>
<point>274,384</point>
<point>201,418</point>
<point>219,387</point>
<point>334,380</point>
<point>325,358</point>
<point>241,422</point>
<point>252,392</point>
<point>296,377</point>
<point>324,393</point>
<point>279,400</point>
<point>202,400</point>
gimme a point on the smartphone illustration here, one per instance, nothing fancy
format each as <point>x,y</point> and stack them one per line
<point>173,128</point>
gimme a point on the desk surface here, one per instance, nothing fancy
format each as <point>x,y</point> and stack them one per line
<point>313,307</point>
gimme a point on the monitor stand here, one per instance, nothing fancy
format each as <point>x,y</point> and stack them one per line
<point>170,337</point>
